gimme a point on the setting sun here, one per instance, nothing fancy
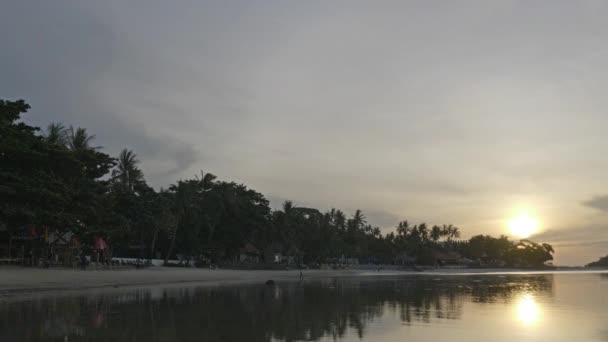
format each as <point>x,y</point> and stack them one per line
<point>523,226</point>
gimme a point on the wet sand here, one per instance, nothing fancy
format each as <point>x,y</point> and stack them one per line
<point>20,281</point>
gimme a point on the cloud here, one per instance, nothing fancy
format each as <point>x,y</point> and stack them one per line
<point>576,245</point>
<point>400,108</point>
<point>276,202</point>
<point>576,235</point>
<point>598,202</point>
<point>66,60</point>
<point>383,219</point>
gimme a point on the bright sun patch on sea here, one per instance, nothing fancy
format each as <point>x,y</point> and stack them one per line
<point>527,310</point>
<point>523,226</point>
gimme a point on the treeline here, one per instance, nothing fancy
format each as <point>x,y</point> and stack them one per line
<point>601,262</point>
<point>504,252</point>
<point>59,179</point>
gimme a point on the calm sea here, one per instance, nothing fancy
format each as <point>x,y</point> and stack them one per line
<point>508,307</point>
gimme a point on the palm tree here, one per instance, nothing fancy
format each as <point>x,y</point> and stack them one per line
<point>340,220</point>
<point>376,232</point>
<point>207,180</point>
<point>450,232</point>
<point>436,233</point>
<point>165,220</point>
<point>211,216</point>
<point>185,197</point>
<point>403,228</point>
<point>56,134</point>
<point>533,253</point>
<point>423,230</point>
<point>454,233</point>
<point>79,139</point>
<point>287,207</point>
<point>358,221</point>
<point>548,248</point>
<point>287,225</point>
<point>127,173</point>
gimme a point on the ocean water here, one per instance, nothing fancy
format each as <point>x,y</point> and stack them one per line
<point>498,307</point>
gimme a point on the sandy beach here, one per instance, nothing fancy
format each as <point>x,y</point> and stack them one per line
<point>18,281</point>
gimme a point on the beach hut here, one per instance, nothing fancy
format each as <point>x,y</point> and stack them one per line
<point>446,258</point>
<point>249,254</point>
<point>26,244</point>
<point>62,247</point>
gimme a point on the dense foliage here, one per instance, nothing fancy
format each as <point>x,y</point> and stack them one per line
<point>602,262</point>
<point>56,178</point>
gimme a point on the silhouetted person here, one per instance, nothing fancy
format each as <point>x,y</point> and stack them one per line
<point>83,260</point>
<point>49,258</point>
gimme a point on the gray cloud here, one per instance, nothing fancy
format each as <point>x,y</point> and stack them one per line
<point>445,111</point>
<point>585,234</point>
<point>383,219</point>
<point>59,53</point>
<point>598,202</point>
<point>577,245</point>
<point>276,202</point>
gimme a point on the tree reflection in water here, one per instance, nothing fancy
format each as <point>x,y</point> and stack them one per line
<point>287,312</point>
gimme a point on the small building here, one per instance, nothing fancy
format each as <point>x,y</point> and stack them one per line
<point>63,247</point>
<point>487,261</point>
<point>25,244</point>
<point>404,259</point>
<point>249,254</point>
<point>279,258</point>
<point>446,258</point>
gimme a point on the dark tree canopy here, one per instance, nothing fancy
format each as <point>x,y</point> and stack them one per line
<point>602,262</point>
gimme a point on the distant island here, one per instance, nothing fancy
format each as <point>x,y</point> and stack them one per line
<point>602,262</point>
<point>66,202</point>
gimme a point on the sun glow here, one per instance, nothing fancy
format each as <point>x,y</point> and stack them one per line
<point>523,226</point>
<point>527,309</point>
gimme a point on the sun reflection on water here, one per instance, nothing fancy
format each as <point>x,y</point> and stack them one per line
<point>527,309</point>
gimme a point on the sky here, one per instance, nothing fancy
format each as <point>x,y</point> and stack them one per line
<point>466,112</point>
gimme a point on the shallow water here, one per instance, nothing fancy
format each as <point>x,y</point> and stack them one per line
<point>523,307</point>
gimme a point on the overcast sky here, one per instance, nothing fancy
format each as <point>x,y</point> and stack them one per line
<point>462,112</point>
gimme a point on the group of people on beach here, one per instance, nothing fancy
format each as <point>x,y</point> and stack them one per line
<point>101,253</point>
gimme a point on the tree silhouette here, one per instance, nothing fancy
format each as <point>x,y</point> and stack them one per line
<point>127,173</point>
<point>56,134</point>
<point>58,179</point>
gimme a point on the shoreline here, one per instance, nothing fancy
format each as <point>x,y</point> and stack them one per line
<point>28,282</point>
<point>18,281</point>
